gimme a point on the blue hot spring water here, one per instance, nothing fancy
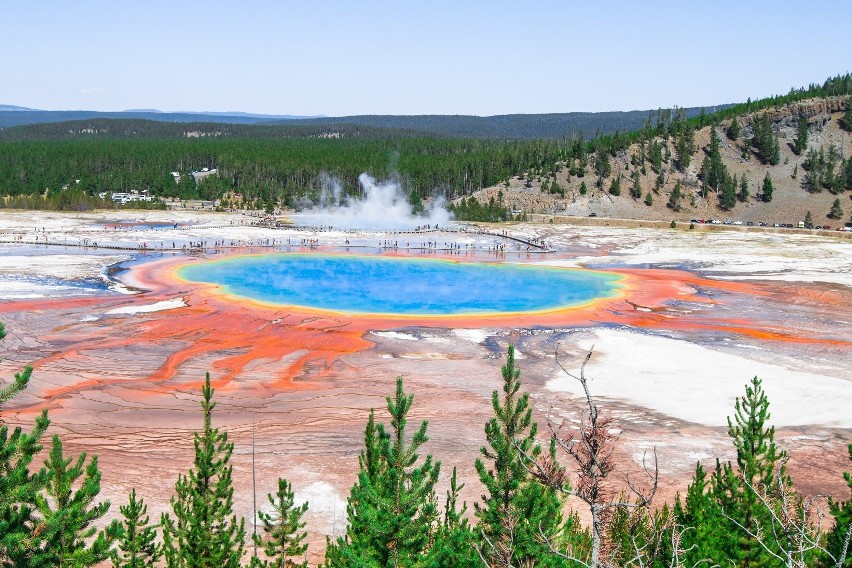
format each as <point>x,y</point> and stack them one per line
<point>402,286</point>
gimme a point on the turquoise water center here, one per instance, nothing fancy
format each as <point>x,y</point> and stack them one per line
<point>402,286</point>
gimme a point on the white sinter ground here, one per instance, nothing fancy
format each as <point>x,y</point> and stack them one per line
<point>697,384</point>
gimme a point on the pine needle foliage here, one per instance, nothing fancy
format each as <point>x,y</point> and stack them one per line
<point>699,518</point>
<point>738,486</point>
<point>283,530</point>
<point>455,539</point>
<point>202,531</point>
<point>18,486</point>
<point>839,540</point>
<point>392,508</point>
<point>137,546</point>
<point>18,384</point>
<point>66,516</point>
<point>517,514</point>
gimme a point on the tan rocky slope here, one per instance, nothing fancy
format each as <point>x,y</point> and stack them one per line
<point>790,202</point>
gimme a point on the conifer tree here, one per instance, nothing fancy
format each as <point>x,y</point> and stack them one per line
<point>848,170</point>
<point>18,486</point>
<point>20,381</point>
<point>66,516</point>
<point>455,540</point>
<point>836,210</point>
<point>775,156</point>
<point>713,171</point>
<point>615,186</point>
<point>202,531</point>
<point>738,487</point>
<point>392,508</point>
<point>704,176</point>
<point>842,179</point>
<point>357,542</point>
<point>636,189</point>
<point>743,193</point>
<point>639,537</point>
<point>812,181</point>
<point>734,129</point>
<point>809,220</point>
<point>839,540</point>
<point>846,120</point>
<point>765,140</point>
<point>137,546</point>
<point>766,193</point>
<point>602,165</point>
<point>656,156</point>
<point>728,193</point>
<point>675,197</point>
<point>699,520</point>
<point>18,490</point>
<point>516,512</point>
<point>801,141</point>
<point>684,146</point>
<point>284,537</point>
<point>649,199</point>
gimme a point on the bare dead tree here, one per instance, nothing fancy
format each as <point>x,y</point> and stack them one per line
<point>591,445</point>
<point>794,532</point>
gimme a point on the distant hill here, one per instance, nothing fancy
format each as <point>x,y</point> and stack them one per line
<point>254,115</point>
<point>509,126</point>
<point>14,116</point>
<point>13,108</point>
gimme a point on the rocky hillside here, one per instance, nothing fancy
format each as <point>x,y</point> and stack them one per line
<point>791,199</point>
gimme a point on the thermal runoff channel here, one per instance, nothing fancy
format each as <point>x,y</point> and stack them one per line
<point>401,286</point>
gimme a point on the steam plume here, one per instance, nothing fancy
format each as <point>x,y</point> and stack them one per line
<point>384,206</point>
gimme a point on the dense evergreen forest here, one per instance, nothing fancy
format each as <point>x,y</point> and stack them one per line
<point>284,164</point>
<point>742,513</point>
<point>267,169</point>
<point>135,129</point>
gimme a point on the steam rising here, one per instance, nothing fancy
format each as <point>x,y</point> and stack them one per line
<point>384,206</point>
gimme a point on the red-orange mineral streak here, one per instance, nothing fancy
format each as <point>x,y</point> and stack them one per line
<point>237,332</point>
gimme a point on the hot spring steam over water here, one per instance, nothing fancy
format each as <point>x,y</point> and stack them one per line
<point>400,286</point>
<point>384,205</point>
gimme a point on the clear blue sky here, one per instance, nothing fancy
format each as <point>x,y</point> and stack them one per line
<point>444,57</point>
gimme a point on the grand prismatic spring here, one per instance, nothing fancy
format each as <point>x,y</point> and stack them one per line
<point>303,331</point>
<point>402,286</point>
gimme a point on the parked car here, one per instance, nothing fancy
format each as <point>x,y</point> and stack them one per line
<point>593,214</point>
